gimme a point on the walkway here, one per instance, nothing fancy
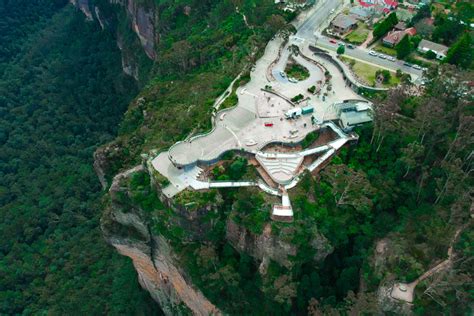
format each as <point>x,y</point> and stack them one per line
<point>405,292</point>
<point>258,119</point>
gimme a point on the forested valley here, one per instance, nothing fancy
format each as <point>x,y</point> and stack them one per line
<point>407,182</point>
<point>62,93</point>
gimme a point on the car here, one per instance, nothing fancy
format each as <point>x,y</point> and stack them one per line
<point>341,44</point>
<point>382,56</point>
<point>332,11</point>
<point>268,124</point>
<point>350,46</point>
<point>417,67</point>
<point>391,58</point>
<point>407,64</point>
<point>372,53</point>
<point>283,74</point>
<point>332,41</point>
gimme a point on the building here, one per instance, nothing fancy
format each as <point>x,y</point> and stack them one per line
<point>354,113</point>
<point>381,5</point>
<point>343,23</point>
<point>394,37</point>
<point>361,13</point>
<point>426,46</point>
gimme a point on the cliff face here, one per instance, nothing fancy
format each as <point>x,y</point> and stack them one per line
<point>126,228</point>
<point>267,246</point>
<point>133,232</point>
<point>142,21</point>
<point>143,24</point>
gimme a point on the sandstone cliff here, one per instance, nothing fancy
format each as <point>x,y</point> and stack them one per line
<point>141,20</point>
<point>133,232</point>
<point>126,228</point>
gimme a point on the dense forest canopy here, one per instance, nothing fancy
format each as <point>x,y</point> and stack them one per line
<point>60,97</point>
<point>408,181</point>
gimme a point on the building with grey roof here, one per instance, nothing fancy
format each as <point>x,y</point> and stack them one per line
<point>361,13</point>
<point>426,46</point>
<point>343,23</point>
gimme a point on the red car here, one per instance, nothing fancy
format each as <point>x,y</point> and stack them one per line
<point>268,124</point>
<point>332,41</point>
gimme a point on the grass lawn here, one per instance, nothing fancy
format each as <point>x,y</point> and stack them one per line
<point>359,35</point>
<point>367,72</point>
<point>296,71</point>
<point>385,50</point>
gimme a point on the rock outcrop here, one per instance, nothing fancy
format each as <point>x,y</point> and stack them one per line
<point>127,229</point>
<point>83,5</point>
<point>143,20</point>
<point>267,246</point>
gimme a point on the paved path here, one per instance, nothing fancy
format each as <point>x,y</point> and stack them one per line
<point>243,128</point>
<point>406,291</point>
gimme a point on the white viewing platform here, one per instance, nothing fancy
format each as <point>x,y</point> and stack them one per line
<point>283,212</point>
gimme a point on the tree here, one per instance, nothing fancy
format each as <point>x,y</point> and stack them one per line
<point>447,30</point>
<point>181,51</point>
<point>430,54</point>
<point>423,12</point>
<point>385,74</point>
<point>275,23</point>
<point>412,155</point>
<point>404,47</point>
<point>350,187</point>
<point>385,114</point>
<point>341,49</point>
<point>461,52</point>
<point>382,27</point>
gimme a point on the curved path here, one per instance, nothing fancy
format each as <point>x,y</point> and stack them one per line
<point>406,291</point>
<point>245,126</point>
<point>258,119</point>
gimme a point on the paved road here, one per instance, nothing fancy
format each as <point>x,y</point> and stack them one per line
<point>306,31</point>
<point>363,55</point>
<point>326,10</point>
<point>317,18</point>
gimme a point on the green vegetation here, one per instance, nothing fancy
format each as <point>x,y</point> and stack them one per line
<point>219,45</point>
<point>404,47</point>
<point>385,74</point>
<point>340,50</point>
<point>461,53</point>
<point>423,12</point>
<point>297,71</point>
<point>309,139</point>
<point>233,99</point>
<point>142,194</point>
<point>381,28</point>
<point>234,170</point>
<point>385,50</point>
<point>359,35</point>
<point>62,93</point>
<point>408,179</point>
<point>297,98</point>
<point>368,73</point>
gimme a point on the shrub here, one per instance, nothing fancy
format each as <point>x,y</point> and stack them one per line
<point>430,54</point>
<point>297,98</point>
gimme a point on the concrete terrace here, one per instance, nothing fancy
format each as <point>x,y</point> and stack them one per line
<point>259,120</point>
